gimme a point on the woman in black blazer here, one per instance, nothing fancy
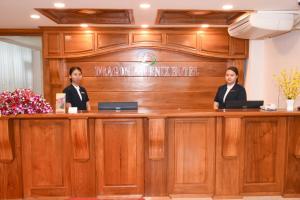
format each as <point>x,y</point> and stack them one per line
<point>76,95</point>
<point>231,91</point>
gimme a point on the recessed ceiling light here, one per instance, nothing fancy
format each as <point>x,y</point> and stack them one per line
<point>145,5</point>
<point>227,7</point>
<point>59,5</point>
<point>204,25</point>
<point>144,25</point>
<point>34,16</point>
<point>84,25</point>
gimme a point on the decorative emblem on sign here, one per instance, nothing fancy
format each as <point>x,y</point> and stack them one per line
<point>147,57</point>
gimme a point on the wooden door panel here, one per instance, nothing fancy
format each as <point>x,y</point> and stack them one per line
<point>263,155</point>
<point>191,155</point>
<point>119,156</point>
<point>292,169</point>
<point>45,152</point>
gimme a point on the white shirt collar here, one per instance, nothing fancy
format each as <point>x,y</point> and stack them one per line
<point>230,86</point>
<point>76,86</point>
<point>78,91</point>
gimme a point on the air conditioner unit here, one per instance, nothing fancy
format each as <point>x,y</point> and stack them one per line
<point>262,25</point>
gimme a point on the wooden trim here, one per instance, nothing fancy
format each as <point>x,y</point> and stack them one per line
<point>6,152</point>
<point>231,137</point>
<point>80,139</point>
<point>156,139</point>
<point>21,32</point>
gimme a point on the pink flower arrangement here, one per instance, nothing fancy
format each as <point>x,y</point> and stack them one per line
<point>23,101</point>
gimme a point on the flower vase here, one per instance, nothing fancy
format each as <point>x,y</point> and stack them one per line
<point>290,104</point>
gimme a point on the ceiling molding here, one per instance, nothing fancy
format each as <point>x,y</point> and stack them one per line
<point>20,32</point>
<point>197,17</point>
<point>88,16</point>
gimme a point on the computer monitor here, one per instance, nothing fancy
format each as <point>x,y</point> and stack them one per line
<point>254,104</point>
<point>243,104</point>
<point>118,105</point>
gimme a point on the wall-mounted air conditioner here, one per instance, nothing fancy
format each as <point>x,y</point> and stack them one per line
<point>260,25</point>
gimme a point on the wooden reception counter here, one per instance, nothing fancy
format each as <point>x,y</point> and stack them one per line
<point>178,153</point>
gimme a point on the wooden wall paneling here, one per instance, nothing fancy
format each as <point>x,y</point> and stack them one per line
<point>53,79</point>
<point>6,148</point>
<point>83,171</point>
<point>52,44</point>
<point>292,167</point>
<point>107,40</point>
<point>228,157</point>
<point>157,100</point>
<point>119,156</point>
<point>182,40</point>
<point>214,42</point>
<point>46,157</point>
<point>11,186</point>
<point>79,42</point>
<point>238,47</point>
<point>191,157</point>
<point>263,155</point>
<point>208,52</point>
<point>150,91</point>
<point>144,38</point>
<point>155,169</point>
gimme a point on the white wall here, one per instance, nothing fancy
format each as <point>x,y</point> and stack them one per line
<point>266,58</point>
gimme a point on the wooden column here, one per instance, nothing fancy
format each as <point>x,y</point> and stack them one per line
<point>10,160</point>
<point>228,145</point>
<point>156,139</point>
<point>80,142</point>
<point>6,152</point>
<point>155,157</point>
<point>83,160</point>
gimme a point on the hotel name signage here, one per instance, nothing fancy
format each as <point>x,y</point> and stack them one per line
<point>146,70</point>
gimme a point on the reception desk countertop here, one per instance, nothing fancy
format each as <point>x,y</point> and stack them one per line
<point>160,113</point>
<point>178,153</point>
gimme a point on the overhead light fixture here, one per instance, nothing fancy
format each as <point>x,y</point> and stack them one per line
<point>84,25</point>
<point>145,5</point>
<point>204,25</point>
<point>144,25</point>
<point>227,7</point>
<point>35,16</point>
<point>59,5</point>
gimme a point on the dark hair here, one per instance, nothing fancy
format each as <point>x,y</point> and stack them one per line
<point>235,70</point>
<point>72,69</point>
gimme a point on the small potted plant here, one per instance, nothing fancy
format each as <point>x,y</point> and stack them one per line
<point>289,83</point>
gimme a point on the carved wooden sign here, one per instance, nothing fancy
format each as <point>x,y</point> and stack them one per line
<point>146,70</point>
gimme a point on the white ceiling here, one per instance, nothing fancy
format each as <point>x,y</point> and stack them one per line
<point>16,13</point>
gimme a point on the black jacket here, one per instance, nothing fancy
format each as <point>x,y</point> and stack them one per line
<point>73,98</point>
<point>237,93</point>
